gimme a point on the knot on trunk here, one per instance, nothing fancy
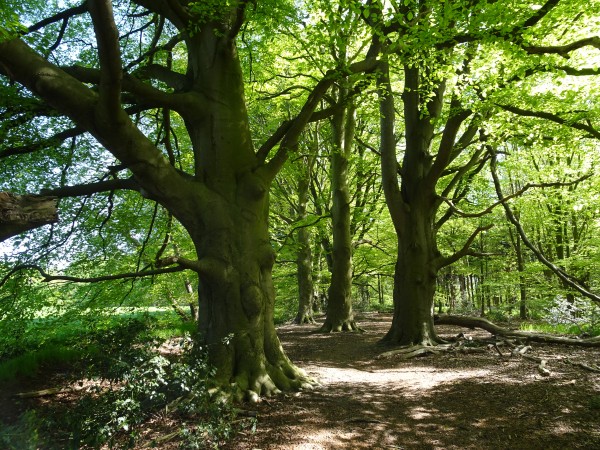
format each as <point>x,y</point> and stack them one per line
<point>252,300</point>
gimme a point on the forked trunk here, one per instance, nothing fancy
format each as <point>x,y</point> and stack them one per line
<point>229,228</point>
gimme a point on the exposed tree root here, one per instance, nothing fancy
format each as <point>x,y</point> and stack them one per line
<point>277,379</point>
<point>346,325</point>
<point>412,351</point>
<point>479,322</point>
<point>305,319</point>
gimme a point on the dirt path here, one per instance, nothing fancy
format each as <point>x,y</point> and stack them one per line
<point>475,401</point>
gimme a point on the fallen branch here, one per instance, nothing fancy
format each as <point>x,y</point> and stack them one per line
<point>541,364</point>
<point>584,366</point>
<point>479,322</point>
<point>43,393</point>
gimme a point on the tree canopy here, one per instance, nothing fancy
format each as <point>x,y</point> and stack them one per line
<point>305,148</point>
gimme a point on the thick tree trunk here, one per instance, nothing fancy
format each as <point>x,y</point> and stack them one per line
<point>413,205</point>
<point>414,284</point>
<point>236,297</point>
<point>339,306</point>
<point>228,223</point>
<point>20,213</point>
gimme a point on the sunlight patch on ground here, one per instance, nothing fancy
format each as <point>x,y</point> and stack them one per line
<point>409,379</point>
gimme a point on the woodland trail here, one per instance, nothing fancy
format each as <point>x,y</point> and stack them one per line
<point>445,401</point>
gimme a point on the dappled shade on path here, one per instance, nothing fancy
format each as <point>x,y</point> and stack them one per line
<point>446,401</point>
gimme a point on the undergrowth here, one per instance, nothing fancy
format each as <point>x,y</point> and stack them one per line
<point>151,386</point>
<point>131,383</point>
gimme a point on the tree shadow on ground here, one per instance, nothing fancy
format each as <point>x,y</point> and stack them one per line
<point>444,401</point>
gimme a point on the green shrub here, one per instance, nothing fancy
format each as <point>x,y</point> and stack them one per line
<point>24,435</point>
<point>151,384</point>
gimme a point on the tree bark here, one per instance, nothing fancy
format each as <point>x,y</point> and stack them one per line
<point>304,256</point>
<point>412,209</point>
<point>237,297</point>
<point>339,316</point>
<point>20,213</point>
<point>223,205</point>
<point>222,201</point>
<point>414,282</point>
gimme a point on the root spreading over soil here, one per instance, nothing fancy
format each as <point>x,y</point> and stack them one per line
<point>482,397</point>
<point>448,400</point>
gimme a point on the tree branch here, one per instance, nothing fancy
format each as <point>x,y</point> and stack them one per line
<point>173,79</point>
<point>563,50</point>
<point>590,130</point>
<point>109,52</point>
<point>518,193</point>
<point>20,213</point>
<point>143,92</point>
<point>387,144</point>
<point>93,188</point>
<point>561,274</point>
<point>57,139</point>
<point>239,19</point>
<point>585,71</point>
<point>63,15</point>
<point>122,276</point>
<point>448,141</point>
<point>464,251</point>
<point>292,133</point>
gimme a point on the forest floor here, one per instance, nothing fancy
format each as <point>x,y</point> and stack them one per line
<point>444,401</point>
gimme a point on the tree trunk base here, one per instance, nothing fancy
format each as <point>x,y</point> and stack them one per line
<point>338,326</point>
<point>303,320</point>
<point>257,378</point>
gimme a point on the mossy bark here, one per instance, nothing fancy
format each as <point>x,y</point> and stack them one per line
<point>304,255</point>
<point>413,205</point>
<point>237,298</point>
<point>229,227</point>
<point>221,198</point>
<point>339,305</point>
<point>415,282</point>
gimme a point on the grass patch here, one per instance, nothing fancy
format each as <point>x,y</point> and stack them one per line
<point>55,342</point>
<point>28,364</point>
<point>560,328</point>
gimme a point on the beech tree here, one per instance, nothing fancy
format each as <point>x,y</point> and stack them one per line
<point>456,63</point>
<point>185,62</point>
